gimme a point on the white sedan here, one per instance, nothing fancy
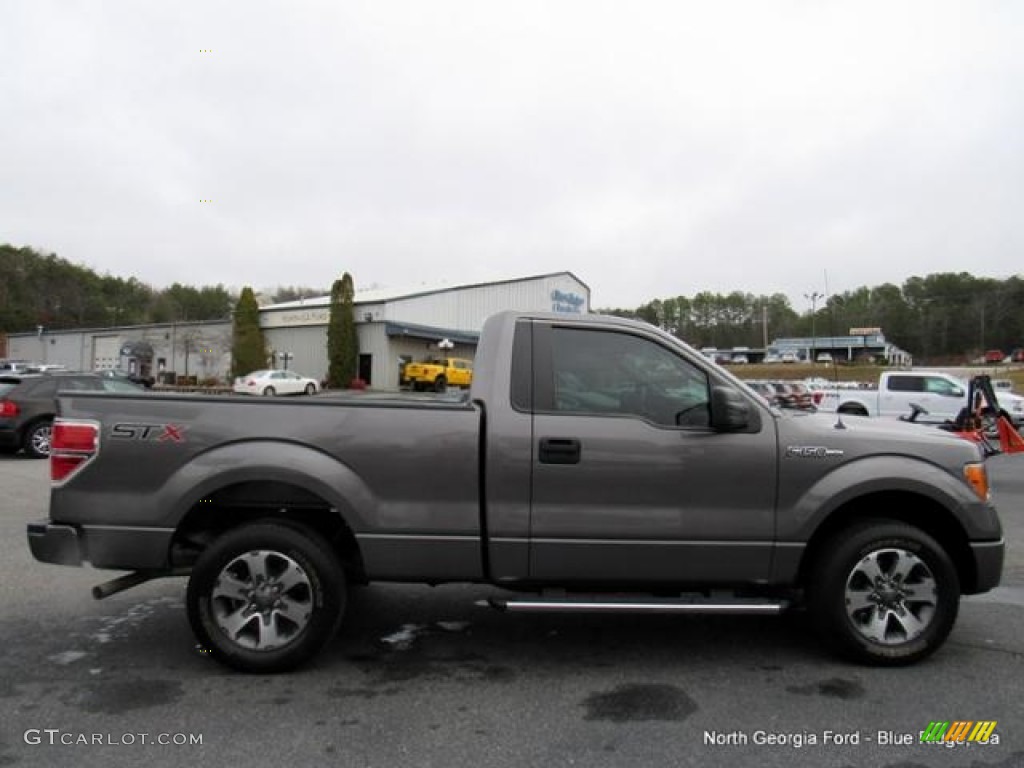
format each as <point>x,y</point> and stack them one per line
<point>275,383</point>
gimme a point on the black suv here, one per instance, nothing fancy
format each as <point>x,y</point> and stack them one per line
<point>28,402</point>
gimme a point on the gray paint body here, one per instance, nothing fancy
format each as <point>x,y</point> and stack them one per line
<point>445,490</point>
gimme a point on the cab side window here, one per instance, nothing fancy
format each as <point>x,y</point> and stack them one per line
<point>618,374</point>
<point>940,387</point>
<point>906,384</point>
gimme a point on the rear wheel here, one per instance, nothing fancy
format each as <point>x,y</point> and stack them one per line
<point>37,439</point>
<point>310,389</point>
<point>853,410</point>
<point>883,593</point>
<point>266,597</point>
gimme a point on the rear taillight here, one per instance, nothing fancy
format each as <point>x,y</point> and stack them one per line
<point>817,397</point>
<point>72,445</point>
<point>8,409</point>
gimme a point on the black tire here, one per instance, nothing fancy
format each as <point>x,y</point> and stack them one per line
<point>269,391</point>
<point>310,389</point>
<point>37,439</point>
<point>440,384</point>
<point>273,624</point>
<point>901,616</point>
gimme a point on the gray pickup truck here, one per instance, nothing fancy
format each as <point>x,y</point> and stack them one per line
<point>597,464</point>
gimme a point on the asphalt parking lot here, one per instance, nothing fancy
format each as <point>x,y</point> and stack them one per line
<point>424,677</point>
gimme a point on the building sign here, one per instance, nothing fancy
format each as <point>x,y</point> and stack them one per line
<point>569,303</point>
<point>295,317</point>
<point>865,331</point>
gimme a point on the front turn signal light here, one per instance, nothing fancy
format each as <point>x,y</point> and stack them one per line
<point>977,477</point>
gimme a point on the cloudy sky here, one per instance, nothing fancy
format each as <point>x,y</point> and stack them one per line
<point>653,148</point>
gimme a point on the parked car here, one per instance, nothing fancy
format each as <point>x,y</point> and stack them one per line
<point>119,375</point>
<point>437,374</point>
<point>784,396</point>
<point>789,357</point>
<point>275,382</point>
<point>824,357</point>
<point>803,397</point>
<point>772,357</point>
<point>994,356</point>
<point>765,390</point>
<point>15,366</point>
<point>45,368</point>
<point>28,404</point>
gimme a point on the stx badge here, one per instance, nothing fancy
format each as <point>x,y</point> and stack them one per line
<point>160,433</point>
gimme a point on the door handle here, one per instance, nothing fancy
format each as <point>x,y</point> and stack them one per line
<point>560,450</point>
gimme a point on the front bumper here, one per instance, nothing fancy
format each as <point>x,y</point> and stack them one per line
<point>988,564</point>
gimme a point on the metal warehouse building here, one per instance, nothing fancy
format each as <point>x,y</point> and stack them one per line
<point>393,327</point>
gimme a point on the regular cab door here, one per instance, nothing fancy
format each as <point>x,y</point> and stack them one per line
<point>629,481</point>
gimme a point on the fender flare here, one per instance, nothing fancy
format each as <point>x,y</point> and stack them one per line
<point>268,460</point>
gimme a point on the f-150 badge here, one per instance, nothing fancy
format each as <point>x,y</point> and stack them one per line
<point>812,452</point>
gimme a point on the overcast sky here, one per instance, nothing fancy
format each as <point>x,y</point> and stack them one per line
<point>655,149</point>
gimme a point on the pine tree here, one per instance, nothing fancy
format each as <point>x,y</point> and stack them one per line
<point>248,352</point>
<point>342,338</point>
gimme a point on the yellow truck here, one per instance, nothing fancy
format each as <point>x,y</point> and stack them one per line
<point>437,374</point>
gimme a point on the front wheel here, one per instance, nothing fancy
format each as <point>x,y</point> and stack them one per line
<point>884,593</point>
<point>440,384</point>
<point>269,391</point>
<point>266,597</point>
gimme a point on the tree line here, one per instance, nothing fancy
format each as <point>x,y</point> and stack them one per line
<point>939,316</point>
<point>942,315</point>
<point>44,289</point>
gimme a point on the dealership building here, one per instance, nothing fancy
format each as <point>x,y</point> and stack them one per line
<point>394,326</point>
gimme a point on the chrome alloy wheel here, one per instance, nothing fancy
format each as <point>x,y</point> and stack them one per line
<point>40,440</point>
<point>891,596</point>
<point>262,600</point>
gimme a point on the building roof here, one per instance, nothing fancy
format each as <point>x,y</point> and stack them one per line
<point>430,333</point>
<point>378,295</point>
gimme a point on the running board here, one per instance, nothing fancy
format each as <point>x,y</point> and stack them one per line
<point>597,605</point>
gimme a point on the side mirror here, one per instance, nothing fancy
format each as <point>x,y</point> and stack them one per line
<point>956,392</point>
<point>730,411</point>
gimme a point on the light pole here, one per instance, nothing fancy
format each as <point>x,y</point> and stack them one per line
<point>813,298</point>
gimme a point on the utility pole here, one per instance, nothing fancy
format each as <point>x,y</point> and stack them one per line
<point>813,298</point>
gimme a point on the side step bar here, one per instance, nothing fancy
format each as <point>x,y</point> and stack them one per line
<point>602,605</point>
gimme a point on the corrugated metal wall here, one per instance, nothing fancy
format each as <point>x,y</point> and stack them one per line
<point>307,344</point>
<point>467,308</point>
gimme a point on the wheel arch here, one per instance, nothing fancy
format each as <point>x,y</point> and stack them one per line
<point>902,506</point>
<point>853,408</point>
<point>249,481</point>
